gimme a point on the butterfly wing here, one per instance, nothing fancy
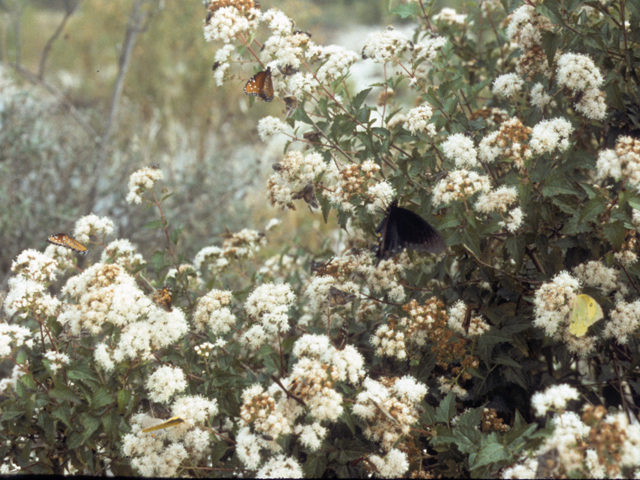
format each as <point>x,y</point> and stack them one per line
<point>401,228</point>
<point>416,233</point>
<point>260,85</point>
<point>64,240</point>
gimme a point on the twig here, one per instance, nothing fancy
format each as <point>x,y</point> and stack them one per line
<point>287,392</point>
<point>69,9</point>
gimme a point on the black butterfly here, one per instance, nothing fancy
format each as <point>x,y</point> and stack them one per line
<point>401,228</point>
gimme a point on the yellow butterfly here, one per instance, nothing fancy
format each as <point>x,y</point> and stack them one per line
<point>172,422</point>
<point>585,313</point>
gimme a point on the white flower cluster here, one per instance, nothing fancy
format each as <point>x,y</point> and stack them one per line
<point>240,245</point>
<point>578,73</point>
<point>122,252</point>
<point>13,336</point>
<point>450,16</point>
<point>92,224</point>
<point>459,148</point>
<point>267,307</point>
<point>459,185</point>
<point>553,303</point>
<point>161,453</point>
<point>270,126</point>
<point>35,266</point>
<point>497,200</point>
<point>107,293</point>
<point>142,181</point>
<point>507,85</point>
<point>555,397</point>
<point>384,46</point>
<point>457,314</point>
<point>227,23</point>
<point>212,311</point>
<point>418,120</point>
<point>26,296</point>
<point>312,381</point>
<point>621,163</point>
<point>335,61</point>
<point>508,142</point>
<point>56,360</point>
<point>285,49</point>
<point>393,465</point>
<point>389,407</point>
<point>595,274</point>
<point>382,194</point>
<point>583,446</point>
<point>428,47</point>
<point>164,383</point>
<point>294,172</point>
<point>625,320</point>
<point>549,135</point>
<point>539,98</point>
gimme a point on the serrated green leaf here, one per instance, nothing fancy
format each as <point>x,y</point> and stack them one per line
<point>217,452</point>
<point>614,232</point>
<point>447,409</point>
<point>90,424</point>
<point>592,209</point>
<point>315,466</point>
<point>124,396</point>
<point>102,397</point>
<point>489,454</point>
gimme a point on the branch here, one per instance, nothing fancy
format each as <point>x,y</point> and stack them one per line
<point>69,9</point>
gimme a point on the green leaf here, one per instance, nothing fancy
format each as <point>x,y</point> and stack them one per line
<point>405,10</point>
<point>124,396</point>
<point>315,466</point>
<point>81,373</point>
<point>61,392</point>
<point>153,225</point>
<point>447,409</point>
<point>489,454</point>
<point>90,424</point>
<point>614,232</point>
<point>217,452</point>
<point>592,209</point>
<point>347,418</point>
<point>175,235</point>
<point>357,101</point>
<point>102,397</point>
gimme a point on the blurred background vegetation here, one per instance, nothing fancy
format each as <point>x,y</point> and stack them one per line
<point>65,156</point>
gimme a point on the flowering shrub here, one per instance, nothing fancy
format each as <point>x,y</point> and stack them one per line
<point>514,132</point>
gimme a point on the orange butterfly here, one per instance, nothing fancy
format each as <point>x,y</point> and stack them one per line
<point>260,85</point>
<point>64,240</point>
<point>163,297</point>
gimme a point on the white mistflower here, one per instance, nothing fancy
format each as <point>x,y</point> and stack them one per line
<point>35,266</point>
<point>57,360</point>
<point>418,120</point>
<point>281,467</point>
<point>165,382</point>
<point>382,194</point>
<point>28,296</point>
<point>555,397</point>
<point>142,181</point>
<point>385,46</point>
<point>609,165</point>
<point>428,48</point>
<point>393,465</point>
<point>578,72</point>
<point>212,311</point>
<point>497,200</point>
<point>507,85</point>
<point>459,148</point>
<point>592,105</point>
<point>459,185</point>
<point>269,126</point>
<point>336,61</point>
<point>279,23</point>
<point>549,135</point>
<point>553,303</point>
<point>12,336</point>
<point>513,221</point>
<point>539,98</point>
<point>228,22</point>
<point>450,16</point>
<point>92,224</point>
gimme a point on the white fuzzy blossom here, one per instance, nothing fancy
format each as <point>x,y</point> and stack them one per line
<point>497,200</point>
<point>428,47</point>
<point>267,307</point>
<point>555,397</point>
<point>459,148</point>
<point>513,220</point>
<point>269,126</point>
<point>281,467</point>
<point>212,311</point>
<point>382,194</point>
<point>394,464</point>
<point>385,46</point>
<point>459,185</point>
<point>418,120</point>
<point>228,22</point>
<point>553,303</point>
<point>540,98</point>
<point>35,266</point>
<point>142,181</point>
<point>549,135</point>
<point>578,72</point>
<point>507,85</point>
<point>26,295</point>
<point>624,321</point>
<point>92,224</point>
<point>336,61</point>
<point>623,162</point>
<point>165,382</point>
